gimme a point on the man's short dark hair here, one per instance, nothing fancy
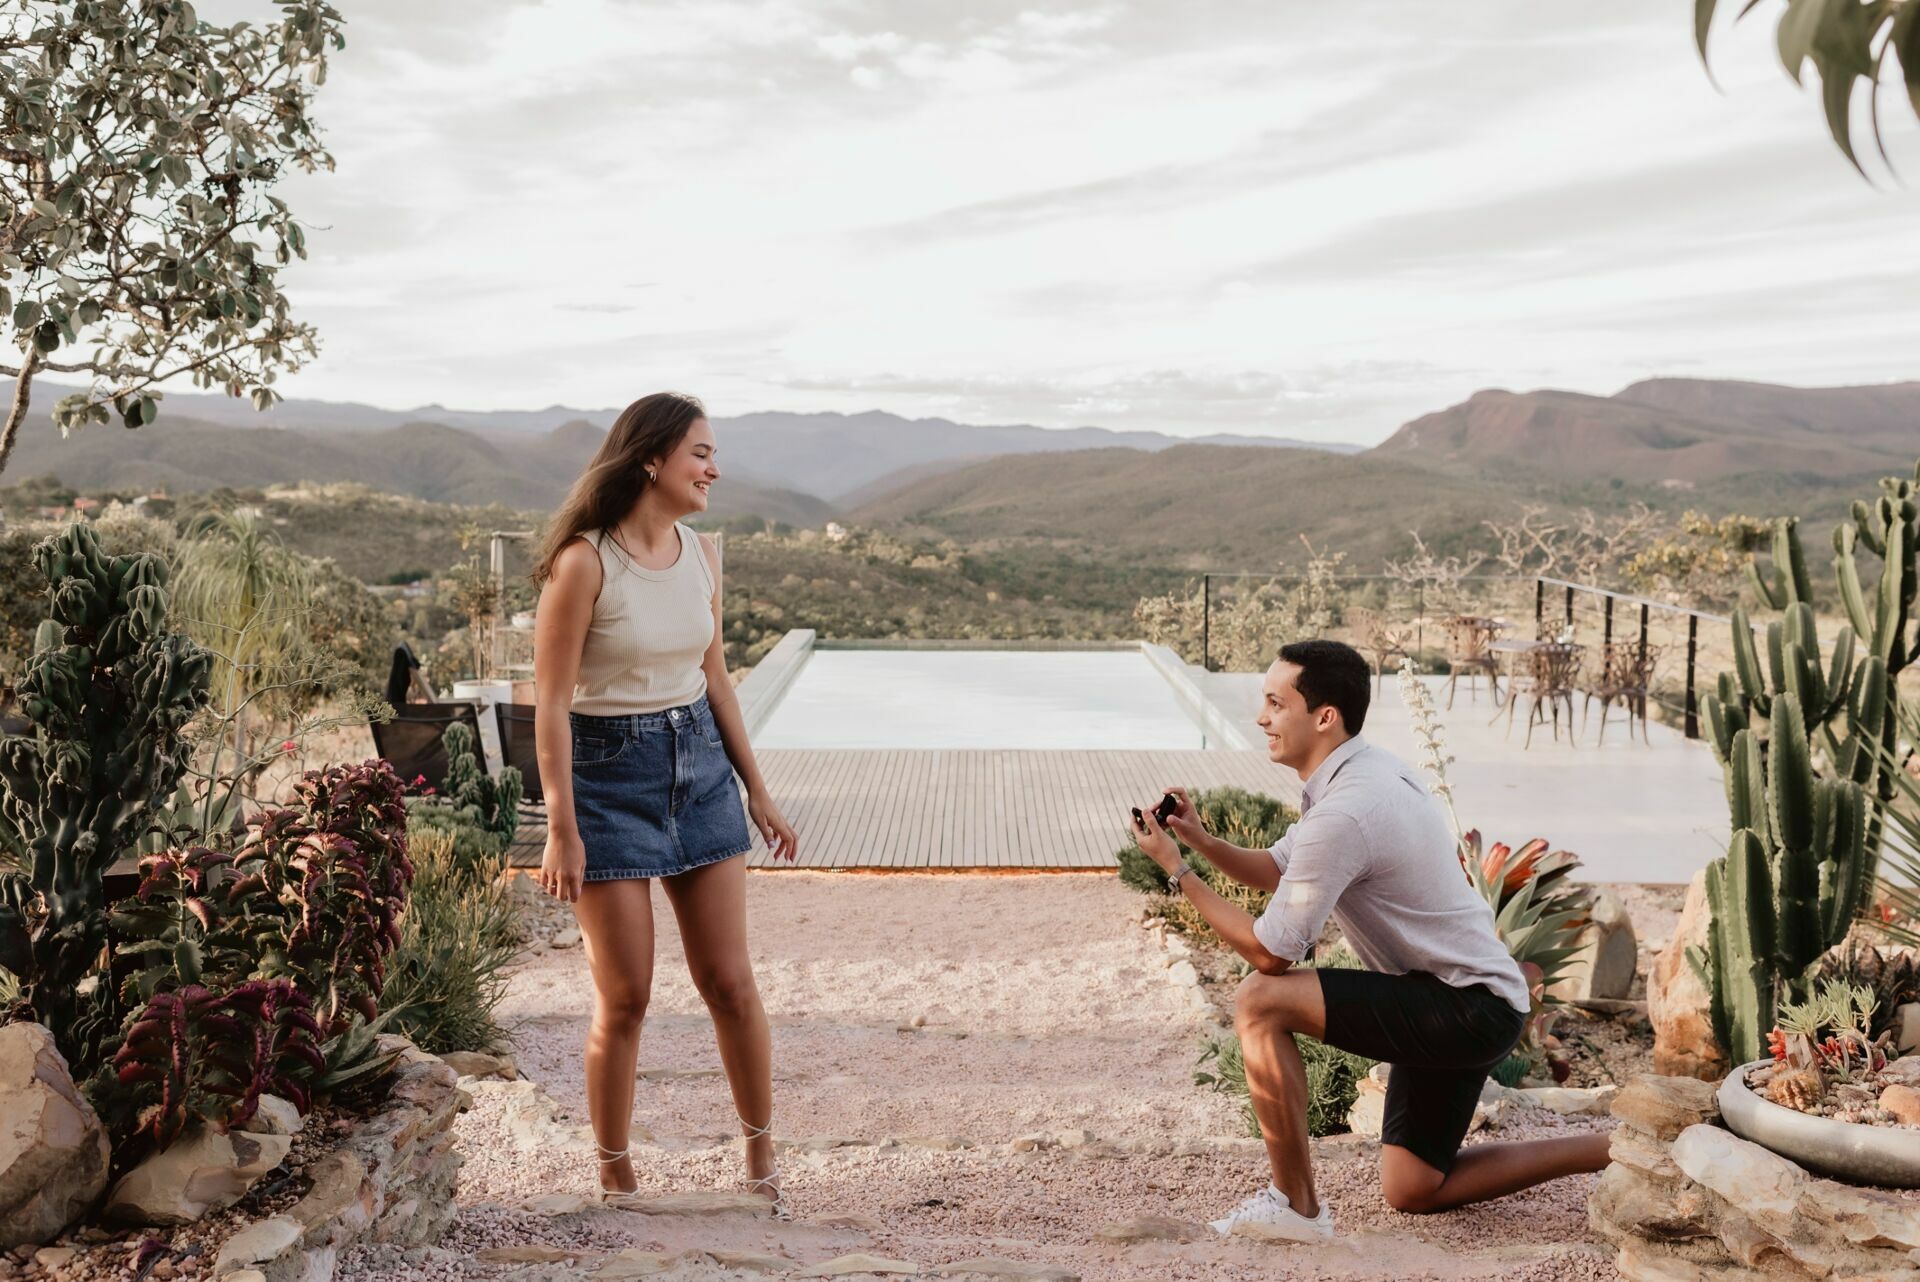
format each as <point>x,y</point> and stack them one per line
<point>1332,672</point>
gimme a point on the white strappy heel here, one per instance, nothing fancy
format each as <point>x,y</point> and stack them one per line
<point>781,1211</point>
<point>607,1158</point>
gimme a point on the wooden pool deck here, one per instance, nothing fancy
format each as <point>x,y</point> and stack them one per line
<point>924,809</point>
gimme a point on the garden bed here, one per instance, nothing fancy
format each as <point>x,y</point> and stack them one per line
<point>383,1177</point>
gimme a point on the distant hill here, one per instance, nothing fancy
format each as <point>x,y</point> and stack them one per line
<point>1194,504</point>
<point>1674,432</point>
<point>834,455</point>
<point>827,455</point>
<point>419,460</point>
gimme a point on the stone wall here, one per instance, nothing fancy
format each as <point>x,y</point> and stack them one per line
<point>1688,1201</point>
<point>391,1180</point>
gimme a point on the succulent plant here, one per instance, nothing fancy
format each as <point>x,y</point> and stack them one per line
<point>207,1054</point>
<point>1537,910</point>
<point>1793,880</point>
<point>1797,1088</point>
<point>320,888</point>
<point>494,803</point>
<point>109,691</point>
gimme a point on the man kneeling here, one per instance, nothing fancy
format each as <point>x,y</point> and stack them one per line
<point>1441,1000</point>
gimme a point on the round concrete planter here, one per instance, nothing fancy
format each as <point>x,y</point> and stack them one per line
<point>1883,1155</point>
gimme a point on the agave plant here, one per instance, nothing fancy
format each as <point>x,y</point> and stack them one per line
<point>201,1053</point>
<point>1537,909</point>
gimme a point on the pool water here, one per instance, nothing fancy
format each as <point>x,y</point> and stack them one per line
<point>979,699</point>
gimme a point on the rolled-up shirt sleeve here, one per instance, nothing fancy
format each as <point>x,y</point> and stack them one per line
<point>1318,858</point>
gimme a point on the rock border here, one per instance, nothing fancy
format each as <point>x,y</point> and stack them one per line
<point>390,1179</point>
<point>1685,1198</point>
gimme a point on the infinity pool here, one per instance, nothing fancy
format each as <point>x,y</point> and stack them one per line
<point>979,699</point>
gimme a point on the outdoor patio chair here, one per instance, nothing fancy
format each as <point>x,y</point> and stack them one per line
<point>517,748</point>
<point>1375,636</point>
<point>1626,672</point>
<point>1546,682</point>
<point>411,740</point>
<point>1469,651</point>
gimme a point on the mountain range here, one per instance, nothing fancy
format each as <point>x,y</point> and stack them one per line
<point>1718,444</point>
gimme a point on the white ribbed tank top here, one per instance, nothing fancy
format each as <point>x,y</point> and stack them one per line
<point>649,632</point>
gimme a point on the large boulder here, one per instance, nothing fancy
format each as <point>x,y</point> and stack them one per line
<point>53,1149</point>
<point>1678,1004</point>
<point>1608,958</point>
<point>201,1171</point>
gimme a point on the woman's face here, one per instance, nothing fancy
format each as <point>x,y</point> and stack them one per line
<point>685,475</point>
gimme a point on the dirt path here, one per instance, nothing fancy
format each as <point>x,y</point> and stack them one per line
<point>965,1067</point>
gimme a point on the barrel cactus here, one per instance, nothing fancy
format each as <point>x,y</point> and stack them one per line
<point>110,692</point>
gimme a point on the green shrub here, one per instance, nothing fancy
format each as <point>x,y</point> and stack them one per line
<point>1233,814</point>
<point>1333,1075</point>
<point>448,975</point>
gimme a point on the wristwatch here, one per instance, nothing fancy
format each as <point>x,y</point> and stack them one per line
<point>1173,878</point>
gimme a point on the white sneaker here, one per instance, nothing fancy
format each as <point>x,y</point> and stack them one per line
<point>1268,1216</point>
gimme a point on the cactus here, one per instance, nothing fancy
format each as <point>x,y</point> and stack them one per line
<point>1791,883</point>
<point>1808,798</point>
<point>1889,528</point>
<point>110,692</point>
<point>493,803</point>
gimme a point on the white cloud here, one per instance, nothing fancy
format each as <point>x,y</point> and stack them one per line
<point>1217,215</point>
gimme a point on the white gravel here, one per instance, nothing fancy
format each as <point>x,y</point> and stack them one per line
<point>1046,1008</point>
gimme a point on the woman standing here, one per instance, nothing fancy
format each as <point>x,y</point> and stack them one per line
<point>639,776</point>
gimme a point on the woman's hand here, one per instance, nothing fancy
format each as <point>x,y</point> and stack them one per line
<point>773,826</point>
<point>564,865</point>
<point>1152,838</point>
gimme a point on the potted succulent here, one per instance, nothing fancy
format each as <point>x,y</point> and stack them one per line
<point>1831,1097</point>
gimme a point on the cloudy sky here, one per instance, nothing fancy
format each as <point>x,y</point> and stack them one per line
<point>1298,219</point>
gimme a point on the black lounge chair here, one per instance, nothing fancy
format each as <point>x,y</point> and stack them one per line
<point>410,741</point>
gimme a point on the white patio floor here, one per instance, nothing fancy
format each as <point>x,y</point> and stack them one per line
<point>1632,811</point>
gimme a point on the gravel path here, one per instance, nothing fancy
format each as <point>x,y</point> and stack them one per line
<point>981,1009</point>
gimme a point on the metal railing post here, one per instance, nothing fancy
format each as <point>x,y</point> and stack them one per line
<point>1693,652</point>
<point>1643,632</point>
<point>1606,632</point>
<point>1539,605</point>
<point>1569,607</point>
<point>1206,623</point>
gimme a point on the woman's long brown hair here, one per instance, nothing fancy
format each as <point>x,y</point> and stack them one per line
<point>646,431</point>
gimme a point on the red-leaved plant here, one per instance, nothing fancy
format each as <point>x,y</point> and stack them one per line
<point>196,1053</point>
<point>325,884</point>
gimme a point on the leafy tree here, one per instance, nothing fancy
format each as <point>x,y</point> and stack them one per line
<point>139,239</point>
<point>1847,41</point>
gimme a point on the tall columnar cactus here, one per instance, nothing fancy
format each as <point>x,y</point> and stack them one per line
<point>495,803</point>
<point>1882,618</point>
<point>109,691</point>
<point>1792,881</point>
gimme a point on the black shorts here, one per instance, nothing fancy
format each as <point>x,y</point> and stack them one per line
<point>1440,1041</point>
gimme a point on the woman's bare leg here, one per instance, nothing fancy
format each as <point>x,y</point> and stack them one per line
<point>616,920</point>
<point>710,904</point>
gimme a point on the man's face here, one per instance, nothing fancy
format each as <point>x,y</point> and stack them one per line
<point>1291,730</point>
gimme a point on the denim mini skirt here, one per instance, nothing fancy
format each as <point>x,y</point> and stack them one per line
<point>654,794</point>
